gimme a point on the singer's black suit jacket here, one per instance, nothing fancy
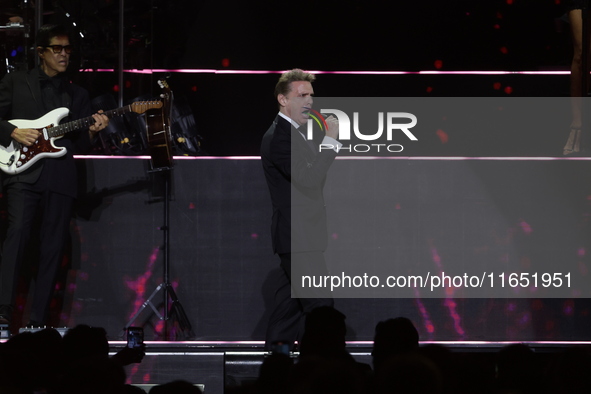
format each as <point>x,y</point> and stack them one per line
<point>20,98</point>
<point>295,173</point>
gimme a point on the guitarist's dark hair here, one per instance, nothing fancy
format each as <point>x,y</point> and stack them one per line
<point>47,32</point>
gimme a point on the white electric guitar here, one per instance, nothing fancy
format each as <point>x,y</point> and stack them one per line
<point>17,158</point>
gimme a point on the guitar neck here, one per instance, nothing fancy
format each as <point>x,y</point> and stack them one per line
<point>79,124</point>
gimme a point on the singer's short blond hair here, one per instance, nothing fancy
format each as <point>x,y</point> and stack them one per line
<point>284,84</point>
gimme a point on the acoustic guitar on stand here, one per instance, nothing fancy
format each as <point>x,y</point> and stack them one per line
<point>158,127</point>
<point>17,157</point>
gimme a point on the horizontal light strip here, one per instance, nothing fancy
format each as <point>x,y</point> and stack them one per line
<point>459,158</point>
<point>434,158</point>
<point>217,354</point>
<point>425,72</point>
<point>174,157</point>
<point>195,343</point>
<point>352,343</point>
<point>488,343</point>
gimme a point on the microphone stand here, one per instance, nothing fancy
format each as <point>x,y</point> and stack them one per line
<point>171,304</point>
<point>158,134</point>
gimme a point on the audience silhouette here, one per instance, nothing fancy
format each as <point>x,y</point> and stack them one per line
<point>394,337</point>
<point>44,362</point>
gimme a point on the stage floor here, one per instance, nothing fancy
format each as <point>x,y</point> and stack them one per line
<point>217,366</point>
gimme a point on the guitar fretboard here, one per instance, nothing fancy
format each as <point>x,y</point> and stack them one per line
<point>84,122</point>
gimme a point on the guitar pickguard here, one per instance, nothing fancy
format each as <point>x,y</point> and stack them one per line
<point>17,158</point>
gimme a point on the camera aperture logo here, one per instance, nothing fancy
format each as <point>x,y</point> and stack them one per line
<point>390,125</point>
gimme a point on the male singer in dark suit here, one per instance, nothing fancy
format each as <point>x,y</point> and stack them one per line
<point>296,169</point>
<point>48,187</point>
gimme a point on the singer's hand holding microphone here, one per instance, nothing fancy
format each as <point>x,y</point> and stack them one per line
<point>333,127</point>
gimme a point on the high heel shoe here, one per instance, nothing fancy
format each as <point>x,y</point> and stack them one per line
<point>573,144</point>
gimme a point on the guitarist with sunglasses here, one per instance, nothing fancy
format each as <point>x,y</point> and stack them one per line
<point>46,190</point>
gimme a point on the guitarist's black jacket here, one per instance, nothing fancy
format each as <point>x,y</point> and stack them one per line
<point>23,95</point>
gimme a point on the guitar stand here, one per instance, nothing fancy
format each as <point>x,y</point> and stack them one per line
<point>174,307</point>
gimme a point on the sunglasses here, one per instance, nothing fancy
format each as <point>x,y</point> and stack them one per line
<point>58,48</point>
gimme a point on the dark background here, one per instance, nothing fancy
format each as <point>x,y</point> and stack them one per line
<point>221,254</point>
<point>231,112</point>
<point>323,35</point>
